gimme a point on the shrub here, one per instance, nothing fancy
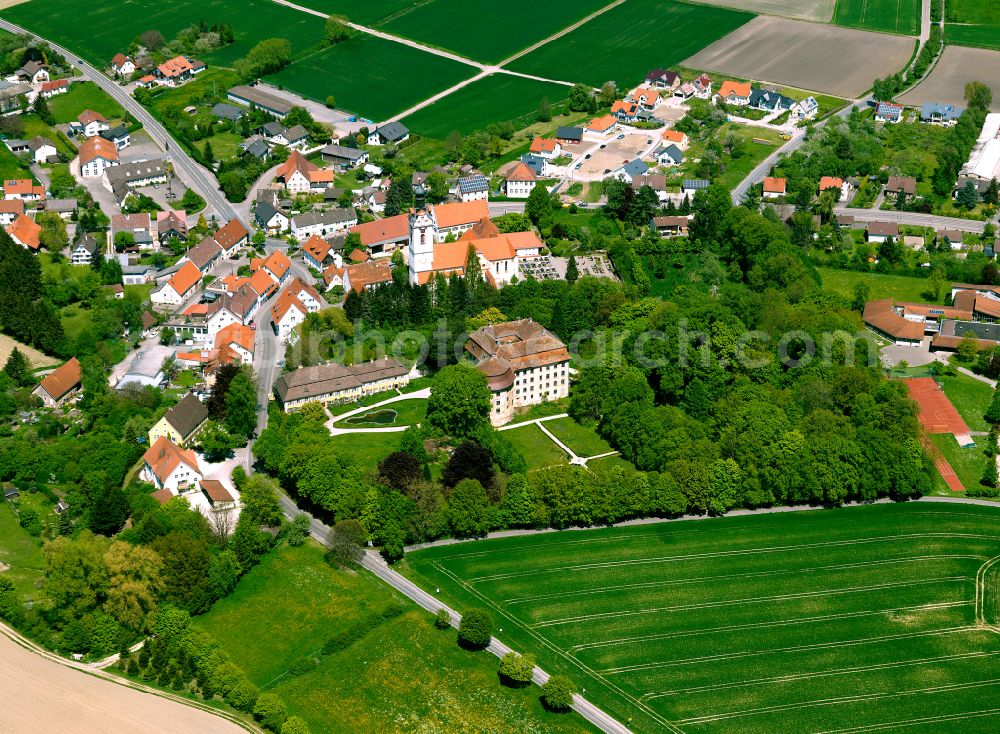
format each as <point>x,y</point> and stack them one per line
<point>475,629</point>
<point>269,710</point>
<point>243,695</point>
<point>443,620</point>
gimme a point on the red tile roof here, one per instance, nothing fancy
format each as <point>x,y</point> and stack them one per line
<point>62,380</point>
<point>233,232</point>
<point>97,147</point>
<point>25,231</point>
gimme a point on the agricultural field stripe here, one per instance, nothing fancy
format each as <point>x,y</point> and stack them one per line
<point>832,645</point>
<point>816,522</point>
<point>859,698</point>
<point>768,624</point>
<point>754,574</point>
<point>914,722</point>
<point>558,651</point>
<point>729,553</point>
<point>793,677</point>
<point>750,600</point>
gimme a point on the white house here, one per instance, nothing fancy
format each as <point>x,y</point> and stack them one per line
<point>520,182</point>
<point>84,250</point>
<point>472,188</point>
<point>669,156</point>
<point>271,219</point>
<point>96,156</point>
<point>42,149</point>
<point>167,466</point>
<point>334,221</point>
<point>391,132</point>
<point>122,65</point>
<point>89,123</point>
<point>805,109</point>
<point>181,285</point>
<point>291,307</point>
<point>889,112</point>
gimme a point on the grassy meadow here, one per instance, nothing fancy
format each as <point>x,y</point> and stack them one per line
<point>887,16</point>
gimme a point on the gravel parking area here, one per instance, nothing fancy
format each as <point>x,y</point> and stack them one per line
<point>615,154</point>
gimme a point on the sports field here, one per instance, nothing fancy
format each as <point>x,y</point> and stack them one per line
<point>371,76</point>
<point>496,98</point>
<point>888,16</point>
<point>626,42</point>
<point>851,620</point>
<point>490,31</point>
<point>109,26</point>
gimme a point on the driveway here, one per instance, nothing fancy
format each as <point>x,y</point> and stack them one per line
<point>615,153</point>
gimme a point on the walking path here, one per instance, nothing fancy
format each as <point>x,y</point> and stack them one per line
<point>574,459</point>
<point>334,431</point>
<point>974,376</point>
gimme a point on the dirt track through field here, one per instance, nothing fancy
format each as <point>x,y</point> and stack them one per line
<point>40,695</point>
<point>820,11</point>
<point>813,56</point>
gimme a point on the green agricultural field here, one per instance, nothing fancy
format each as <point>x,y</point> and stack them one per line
<point>538,449</point>
<point>982,36</point>
<point>496,98</point>
<point>83,96</point>
<point>888,16</point>
<point>855,619</point>
<point>900,287</point>
<point>109,27</point>
<point>969,463</point>
<point>490,32</point>
<point>970,397</point>
<point>403,676</point>
<point>363,12</point>
<point>583,440</point>
<point>371,76</point>
<point>630,39</point>
<point>20,552</point>
<point>407,412</point>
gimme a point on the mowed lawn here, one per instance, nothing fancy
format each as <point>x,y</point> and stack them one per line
<point>371,76</point>
<point>969,463</point>
<point>970,397</point>
<point>900,287</point>
<point>626,42</point>
<point>11,166</point>
<point>83,96</point>
<point>110,25</point>
<point>805,621</point>
<point>488,31</point>
<point>367,449</point>
<point>583,440</point>
<point>888,16</point>
<point>539,450</point>
<point>403,676</point>
<point>496,98</point>
<point>408,412</point>
<point>21,552</point>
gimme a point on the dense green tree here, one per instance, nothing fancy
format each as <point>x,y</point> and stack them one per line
<point>337,30</point>
<point>581,98</point>
<point>460,401</point>
<point>469,512</point>
<point>346,543</point>
<point>516,670</point>
<point>558,692</point>
<point>539,203</point>
<point>270,711</point>
<point>294,725</point>
<point>18,369</point>
<point>241,406</point>
<point>475,629</point>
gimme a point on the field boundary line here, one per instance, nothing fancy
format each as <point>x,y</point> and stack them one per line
<point>981,594</point>
<point>726,554</point>
<point>793,677</point>
<point>773,623</point>
<point>544,641</point>
<point>749,600</point>
<point>559,34</point>
<point>775,510</point>
<point>753,574</point>
<point>911,722</point>
<point>832,645</point>
<point>858,698</point>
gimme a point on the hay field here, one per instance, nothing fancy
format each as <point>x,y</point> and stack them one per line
<point>811,56</point>
<point>50,697</point>
<point>958,65</point>
<point>36,358</point>
<point>860,619</point>
<point>820,11</point>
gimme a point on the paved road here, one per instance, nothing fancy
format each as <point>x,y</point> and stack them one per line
<point>193,175</point>
<point>798,138</point>
<point>913,218</point>
<point>499,208</point>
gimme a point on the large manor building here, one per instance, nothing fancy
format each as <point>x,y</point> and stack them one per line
<point>524,364</point>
